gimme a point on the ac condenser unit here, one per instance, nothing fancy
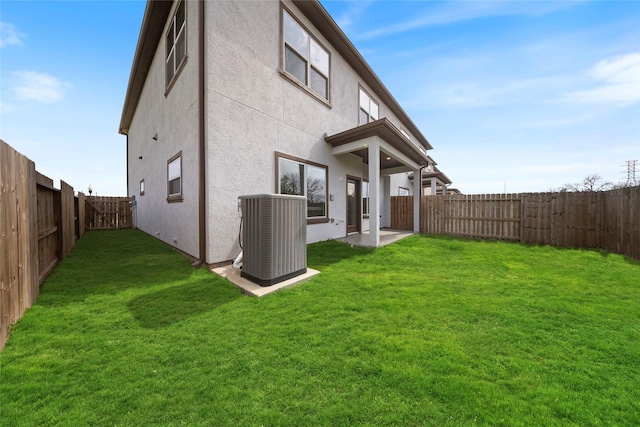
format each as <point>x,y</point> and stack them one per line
<point>274,237</point>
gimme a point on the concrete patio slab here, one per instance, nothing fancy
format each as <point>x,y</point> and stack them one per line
<point>387,236</point>
<point>255,290</point>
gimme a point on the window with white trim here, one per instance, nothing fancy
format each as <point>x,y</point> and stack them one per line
<point>302,178</point>
<point>402,191</point>
<point>365,198</point>
<point>368,108</point>
<point>174,178</point>
<point>304,58</point>
<point>176,40</point>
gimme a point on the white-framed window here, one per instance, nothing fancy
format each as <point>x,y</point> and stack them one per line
<point>304,58</point>
<point>365,198</point>
<point>176,41</point>
<point>304,178</point>
<point>402,191</point>
<point>142,187</point>
<point>368,108</point>
<point>174,178</point>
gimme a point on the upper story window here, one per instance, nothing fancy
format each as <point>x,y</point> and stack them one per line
<point>368,108</point>
<point>176,39</point>
<point>304,58</point>
<point>303,178</point>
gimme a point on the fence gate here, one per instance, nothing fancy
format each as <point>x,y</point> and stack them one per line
<point>107,213</point>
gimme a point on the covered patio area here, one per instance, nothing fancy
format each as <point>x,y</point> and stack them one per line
<point>387,236</point>
<point>386,150</point>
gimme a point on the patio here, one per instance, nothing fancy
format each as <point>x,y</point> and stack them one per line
<point>387,236</point>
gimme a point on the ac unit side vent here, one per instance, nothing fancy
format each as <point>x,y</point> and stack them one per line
<point>274,236</point>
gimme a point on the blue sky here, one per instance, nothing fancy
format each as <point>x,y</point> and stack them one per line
<point>523,95</point>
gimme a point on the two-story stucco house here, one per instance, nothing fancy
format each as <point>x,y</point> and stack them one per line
<point>231,98</point>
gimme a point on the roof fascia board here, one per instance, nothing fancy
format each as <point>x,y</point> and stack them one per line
<point>386,131</point>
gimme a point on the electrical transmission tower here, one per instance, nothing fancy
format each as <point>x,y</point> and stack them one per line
<point>631,173</point>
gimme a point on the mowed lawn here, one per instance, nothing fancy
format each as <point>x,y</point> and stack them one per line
<point>428,331</point>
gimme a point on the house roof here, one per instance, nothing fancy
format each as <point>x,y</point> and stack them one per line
<point>155,16</point>
<point>435,173</point>
<point>157,12</point>
<point>385,130</point>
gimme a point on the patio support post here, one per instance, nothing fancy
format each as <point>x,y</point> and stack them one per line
<point>374,193</point>
<point>433,186</point>
<point>417,195</point>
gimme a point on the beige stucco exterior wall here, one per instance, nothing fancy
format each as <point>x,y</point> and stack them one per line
<point>253,111</point>
<point>174,118</point>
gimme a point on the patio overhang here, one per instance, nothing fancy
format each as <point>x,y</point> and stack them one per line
<point>386,151</point>
<point>401,155</point>
<point>433,178</point>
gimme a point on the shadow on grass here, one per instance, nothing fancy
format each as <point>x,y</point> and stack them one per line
<point>177,303</point>
<point>108,262</point>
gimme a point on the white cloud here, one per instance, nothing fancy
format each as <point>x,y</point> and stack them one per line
<point>453,12</point>
<point>9,35</point>
<point>613,81</point>
<point>31,85</point>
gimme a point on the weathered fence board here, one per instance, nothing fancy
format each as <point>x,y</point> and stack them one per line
<point>402,212</point>
<point>39,225</point>
<point>608,220</point>
<point>108,212</point>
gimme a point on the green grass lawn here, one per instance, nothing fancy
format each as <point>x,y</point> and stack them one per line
<point>428,331</point>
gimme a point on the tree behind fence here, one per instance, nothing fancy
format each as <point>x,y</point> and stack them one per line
<point>609,220</point>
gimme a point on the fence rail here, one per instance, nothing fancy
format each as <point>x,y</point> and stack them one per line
<point>608,220</point>
<point>39,225</point>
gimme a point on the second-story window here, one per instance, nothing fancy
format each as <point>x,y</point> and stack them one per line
<point>176,43</point>
<point>304,58</point>
<point>368,108</point>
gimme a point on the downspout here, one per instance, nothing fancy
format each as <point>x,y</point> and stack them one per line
<point>127,192</point>
<point>202,219</point>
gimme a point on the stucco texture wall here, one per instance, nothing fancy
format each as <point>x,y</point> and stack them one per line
<point>174,118</point>
<point>254,112</point>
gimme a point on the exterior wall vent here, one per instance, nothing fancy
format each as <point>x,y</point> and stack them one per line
<point>274,236</point>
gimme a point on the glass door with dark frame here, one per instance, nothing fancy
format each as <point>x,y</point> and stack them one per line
<point>353,205</point>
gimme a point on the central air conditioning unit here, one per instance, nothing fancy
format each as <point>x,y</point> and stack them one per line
<point>274,236</point>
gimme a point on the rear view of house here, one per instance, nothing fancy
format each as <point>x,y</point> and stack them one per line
<point>227,99</point>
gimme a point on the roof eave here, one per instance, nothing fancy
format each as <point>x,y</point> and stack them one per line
<point>153,21</point>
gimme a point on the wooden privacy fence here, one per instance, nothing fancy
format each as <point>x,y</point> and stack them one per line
<point>609,220</point>
<point>39,225</point>
<point>108,213</point>
<point>402,212</point>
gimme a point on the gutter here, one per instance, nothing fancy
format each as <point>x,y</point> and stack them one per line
<point>202,218</point>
